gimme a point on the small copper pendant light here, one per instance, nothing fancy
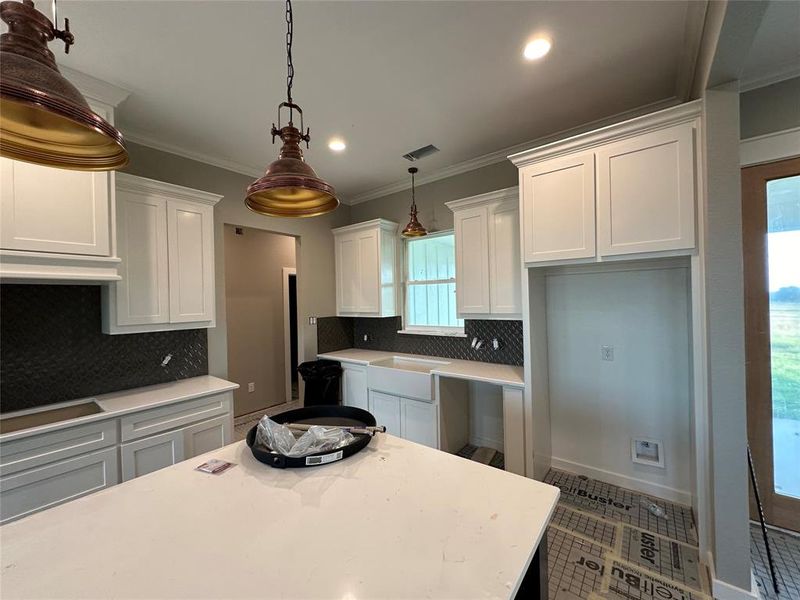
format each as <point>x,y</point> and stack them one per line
<point>414,227</point>
<point>44,119</point>
<point>290,187</point>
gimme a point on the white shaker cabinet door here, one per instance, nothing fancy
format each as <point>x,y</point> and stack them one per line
<point>151,454</point>
<point>207,436</point>
<point>472,261</point>
<point>505,264</point>
<point>558,209</point>
<point>190,235</point>
<point>347,276</point>
<point>646,193</point>
<point>369,272</point>
<point>354,386</point>
<point>142,296</point>
<point>419,423</point>
<point>386,410</point>
<point>60,211</point>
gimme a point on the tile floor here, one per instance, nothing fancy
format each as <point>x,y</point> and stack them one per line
<point>243,424</point>
<point>786,556</point>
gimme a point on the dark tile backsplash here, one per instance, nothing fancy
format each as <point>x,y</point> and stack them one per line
<point>338,333</point>
<point>52,348</point>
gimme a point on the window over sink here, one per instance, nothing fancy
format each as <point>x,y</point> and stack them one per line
<point>430,286</point>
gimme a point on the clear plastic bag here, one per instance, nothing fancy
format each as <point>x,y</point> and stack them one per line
<point>318,438</point>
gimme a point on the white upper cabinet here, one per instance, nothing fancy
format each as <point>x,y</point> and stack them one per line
<point>488,261</point>
<point>58,224</point>
<point>558,204</point>
<point>626,189</point>
<point>366,270</point>
<point>165,236</point>
<point>645,193</point>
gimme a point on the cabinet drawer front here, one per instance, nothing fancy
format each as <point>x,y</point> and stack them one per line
<point>160,419</point>
<point>151,454</point>
<point>37,450</point>
<point>36,489</point>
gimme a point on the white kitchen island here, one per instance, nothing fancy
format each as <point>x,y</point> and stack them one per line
<point>397,520</point>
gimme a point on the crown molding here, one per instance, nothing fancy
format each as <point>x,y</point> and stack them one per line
<point>95,89</point>
<point>786,71</point>
<point>143,185</point>
<point>143,139</point>
<point>503,154</point>
<point>770,147</point>
<point>479,199</point>
<point>373,224</point>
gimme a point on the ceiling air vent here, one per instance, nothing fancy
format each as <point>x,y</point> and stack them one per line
<point>421,152</point>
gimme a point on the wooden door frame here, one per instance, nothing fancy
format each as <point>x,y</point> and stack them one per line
<point>778,509</point>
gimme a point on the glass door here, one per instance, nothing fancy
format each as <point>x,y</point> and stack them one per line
<point>771,243</point>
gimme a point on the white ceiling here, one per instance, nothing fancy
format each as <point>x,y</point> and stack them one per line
<point>206,77</point>
<point>775,53</point>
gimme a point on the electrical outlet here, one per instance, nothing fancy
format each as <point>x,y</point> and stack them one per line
<point>647,451</point>
<point>607,353</point>
<point>251,387</point>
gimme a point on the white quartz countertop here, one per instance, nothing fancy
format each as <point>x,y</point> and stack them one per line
<point>461,369</point>
<point>116,404</point>
<point>397,520</point>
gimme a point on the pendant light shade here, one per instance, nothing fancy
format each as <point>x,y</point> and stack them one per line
<point>290,187</point>
<point>414,227</point>
<point>44,119</point>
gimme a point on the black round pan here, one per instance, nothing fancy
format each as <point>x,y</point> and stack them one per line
<point>315,415</point>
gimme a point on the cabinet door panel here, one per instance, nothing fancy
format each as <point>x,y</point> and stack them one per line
<point>504,258</point>
<point>206,436</point>
<point>419,423</point>
<point>472,261</point>
<point>646,193</point>
<point>54,210</point>
<point>55,483</point>
<point>151,454</point>
<point>354,387</point>
<point>559,209</point>
<point>347,273</point>
<point>369,275</point>
<point>142,295</point>
<point>190,233</point>
<point>386,409</point>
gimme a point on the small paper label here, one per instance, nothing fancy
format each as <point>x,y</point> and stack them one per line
<point>324,459</point>
<point>215,466</point>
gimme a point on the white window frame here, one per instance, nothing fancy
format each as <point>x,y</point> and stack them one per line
<point>439,330</point>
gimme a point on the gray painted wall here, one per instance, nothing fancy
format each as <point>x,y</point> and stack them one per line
<point>432,212</point>
<point>772,108</point>
<point>316,293</point>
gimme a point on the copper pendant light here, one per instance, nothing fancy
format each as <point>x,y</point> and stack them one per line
<point>44,119</point>
<point>290,187</point>
<point>414,227</point>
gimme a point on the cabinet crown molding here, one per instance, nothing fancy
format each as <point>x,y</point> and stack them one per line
<point>380,223</point>
<point>682,113</point>
<point>479,199</point>
<point>134,183</point>
<point>95,89</point>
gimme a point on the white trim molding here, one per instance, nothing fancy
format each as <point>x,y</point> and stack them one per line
<point>287,330</point>
<point>783,72</point>
<point>770,147</point>
<point>95,89</point>
<point>726,591</point>
<point>134,183</point>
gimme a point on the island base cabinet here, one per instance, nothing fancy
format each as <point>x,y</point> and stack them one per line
<point>33,490</point>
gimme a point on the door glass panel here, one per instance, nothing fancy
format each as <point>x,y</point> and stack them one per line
<point>783,217</point>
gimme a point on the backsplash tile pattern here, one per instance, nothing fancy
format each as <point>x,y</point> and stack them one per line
<point>52,348</point>
<point>334,333</point>
<point>382,335</point>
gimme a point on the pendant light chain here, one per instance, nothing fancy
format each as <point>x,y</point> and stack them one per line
<point>289,63</point>
<point>413,194</point>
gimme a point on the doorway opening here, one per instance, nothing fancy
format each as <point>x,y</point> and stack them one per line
<point>261,301</point>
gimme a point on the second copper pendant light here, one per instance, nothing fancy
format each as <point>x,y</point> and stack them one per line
<point>290,187</point>
<point>414,227</point>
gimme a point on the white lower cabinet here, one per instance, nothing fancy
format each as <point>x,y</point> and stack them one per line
<point>151,454</point>
<point>33,490</point>
<point>43,470</point>
<point>354,386</point>
<point>410,419</point>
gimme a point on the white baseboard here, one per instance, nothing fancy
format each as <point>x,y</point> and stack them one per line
<point>632,483</point>
<point>479,440</point>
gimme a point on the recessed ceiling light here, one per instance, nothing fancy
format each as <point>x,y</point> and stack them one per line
<point>537,48</point>
<point>337,145</point>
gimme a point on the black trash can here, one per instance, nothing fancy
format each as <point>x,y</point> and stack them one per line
<point>322,381</point>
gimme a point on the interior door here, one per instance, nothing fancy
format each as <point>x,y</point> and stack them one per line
<point>771,243</point>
